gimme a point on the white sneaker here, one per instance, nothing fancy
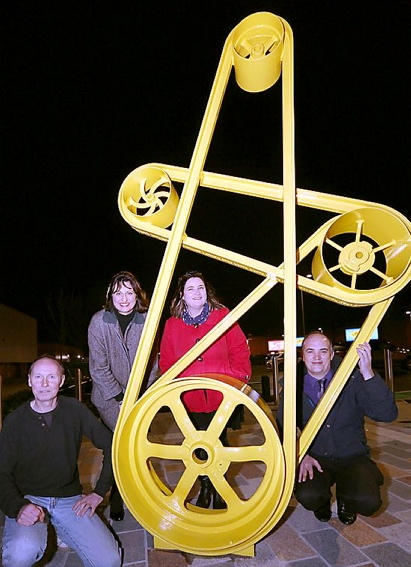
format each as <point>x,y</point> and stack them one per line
<point>61,544</point>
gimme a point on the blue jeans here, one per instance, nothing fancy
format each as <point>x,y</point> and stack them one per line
<point>88,537</point>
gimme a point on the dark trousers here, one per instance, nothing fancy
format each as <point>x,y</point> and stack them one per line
<point>357,484</point>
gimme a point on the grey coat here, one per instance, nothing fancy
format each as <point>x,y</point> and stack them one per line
<point>111,358</point>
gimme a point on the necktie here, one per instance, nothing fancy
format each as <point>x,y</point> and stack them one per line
<point>321,388</point>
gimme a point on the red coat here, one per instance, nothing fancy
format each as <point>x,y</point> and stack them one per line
<point>229,355</point>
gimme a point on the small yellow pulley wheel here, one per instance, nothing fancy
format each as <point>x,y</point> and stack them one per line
<point>372,250</point>
<point>257,51</point>
<point>148,193</point>
<point>168,512</point>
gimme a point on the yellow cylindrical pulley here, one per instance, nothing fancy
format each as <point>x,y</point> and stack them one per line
<point>166,511</point>
<point>149,194</point>
<point>258,47</point>
<point>372,232</point>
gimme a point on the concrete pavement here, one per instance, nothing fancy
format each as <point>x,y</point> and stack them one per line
<point>298,540</point>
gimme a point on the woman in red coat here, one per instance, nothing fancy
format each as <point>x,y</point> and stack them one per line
<point>195,310</point>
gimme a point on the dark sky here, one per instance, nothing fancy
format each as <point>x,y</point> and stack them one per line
<point>93,89</point>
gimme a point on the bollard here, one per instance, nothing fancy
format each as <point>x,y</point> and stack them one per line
<point>79,393</point>
<point>389,374</point>
<point>265,388</point>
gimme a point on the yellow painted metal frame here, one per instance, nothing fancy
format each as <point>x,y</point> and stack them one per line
<point>260,49</point>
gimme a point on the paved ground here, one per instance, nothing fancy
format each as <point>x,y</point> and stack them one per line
<point>298,540</point>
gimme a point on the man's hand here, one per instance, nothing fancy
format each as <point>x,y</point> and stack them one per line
<point>87,502</point>
<point>30,514</point>
<point>306,468</point>
<point>365,360</point>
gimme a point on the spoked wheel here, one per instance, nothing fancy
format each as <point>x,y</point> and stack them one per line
<point>363,250</point>
<point>166,509</point>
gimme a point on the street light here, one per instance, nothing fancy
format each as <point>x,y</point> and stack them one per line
<point>409,314</point>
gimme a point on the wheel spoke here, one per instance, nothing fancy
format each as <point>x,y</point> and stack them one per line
<point>358,233</point>
<point>220,420</point>
<point>160,182</point>
<point>225,490</point>
<point>269,44</point>
<point>159,194</point>
<point>333,244</point>
<point>247,46</point>
<point>148,208</point>
<point>384,246</point>
<point>244,454</point>
<point>182,419</point>
<point>184,486</point>
<point>169,452</point>
<point>381,274</point>
<point>353,281</point>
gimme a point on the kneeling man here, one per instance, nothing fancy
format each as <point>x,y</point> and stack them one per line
<point>39,478</point>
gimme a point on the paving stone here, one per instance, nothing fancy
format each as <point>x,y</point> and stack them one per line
<point>389,555</point>
<point>158,558</point>
<point>402,464</point>
<point>287,544</point>
<point>396,504</point>
<point>399,534</point>
<point>311,562</point>
<point>263,557</point>
<point>379,520</point>
<point>405,479</point>
<point>359,534</point>
<point>400,489</point>
<point>134,546</point>
<point>303,520</point>
<point>389,471</point>
<point>401,452</point>
<point>73,560</point>
<point>332,547</point>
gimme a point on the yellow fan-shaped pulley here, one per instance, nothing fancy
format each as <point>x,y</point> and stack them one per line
<point>149,193</point>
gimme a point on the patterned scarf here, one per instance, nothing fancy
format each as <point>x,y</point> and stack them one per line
<point>200,319</point>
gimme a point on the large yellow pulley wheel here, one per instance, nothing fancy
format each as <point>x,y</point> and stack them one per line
<point>169,512</point>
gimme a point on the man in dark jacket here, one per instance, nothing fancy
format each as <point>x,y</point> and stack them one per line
<point>39,478</point>
<point>339,453</point>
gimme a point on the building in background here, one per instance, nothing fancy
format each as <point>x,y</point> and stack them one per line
<point>18,342</point>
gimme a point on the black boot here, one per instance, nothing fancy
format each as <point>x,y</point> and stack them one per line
<point>206,492</point>
<point>218,502</point>
<point>116,505</point>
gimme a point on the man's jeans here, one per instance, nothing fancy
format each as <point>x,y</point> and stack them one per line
<point>89,537</point>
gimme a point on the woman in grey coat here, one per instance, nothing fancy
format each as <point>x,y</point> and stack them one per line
<point>113,337</point>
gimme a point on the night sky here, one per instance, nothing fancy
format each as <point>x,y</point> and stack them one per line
<point>91,90</point>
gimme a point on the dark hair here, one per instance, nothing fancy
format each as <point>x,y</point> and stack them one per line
<point>117,280</point>
<point>312,333</point>
<point>177,303</point>
<point>47,357</point>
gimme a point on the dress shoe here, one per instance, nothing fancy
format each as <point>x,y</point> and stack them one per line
<point>324,513</point>
<point>345,516</point>
<point>117,515</point>
<point>206,492</point>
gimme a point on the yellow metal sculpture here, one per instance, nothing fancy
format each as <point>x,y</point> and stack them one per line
<point>260,49</point>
